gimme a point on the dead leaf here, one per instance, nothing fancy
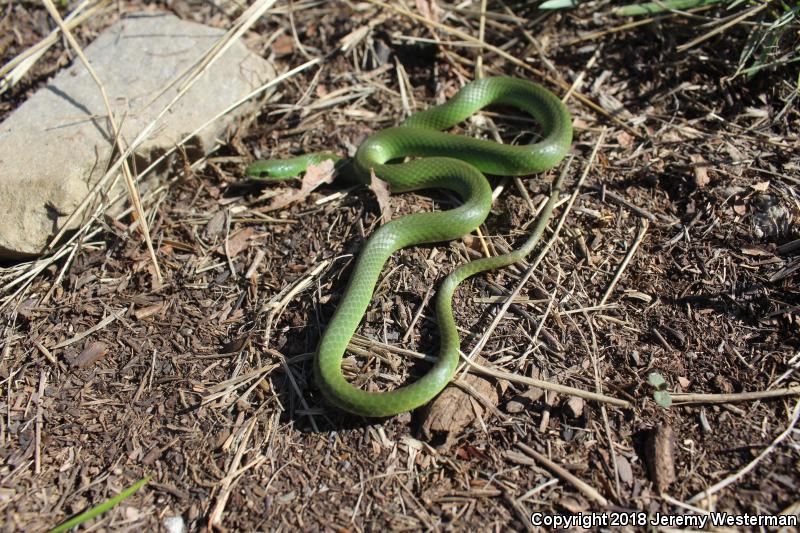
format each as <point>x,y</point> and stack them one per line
<point>723,384</point>
<point>739,209</point>
<point>429,9</point>
<point>524,400</point>
<point>761,186</point>
<point>614,106</point>
<point>182,246</point>
<point>756,112</point>
<point>381,190</point>
<point>680,134</point>
<point>315,176</point>
<point>580,124</point>
<point>239,241</point>
<point>450,412</point>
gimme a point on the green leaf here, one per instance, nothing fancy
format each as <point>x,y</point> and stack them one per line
<point>100,509</point>
<point>559,4</point>
<point>657,381</point>
<point>652,8</point>
<point>662,398</point>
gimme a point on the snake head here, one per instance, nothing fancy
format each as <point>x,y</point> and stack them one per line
<point>273,169</point>
<point>289,168</point>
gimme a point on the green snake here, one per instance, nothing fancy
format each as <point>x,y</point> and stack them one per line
<point>444,161</point>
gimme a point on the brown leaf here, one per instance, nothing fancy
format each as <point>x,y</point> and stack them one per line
<point>315,176</point>
<point>429,9</point>
<point>761,186</point>
<point>450,412</point>
<point>724,385</point>
<point>524,400</point>
<point>381,190</point>
<point>239,241</point>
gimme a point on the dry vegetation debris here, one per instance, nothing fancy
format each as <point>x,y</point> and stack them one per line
<point>689,214</point>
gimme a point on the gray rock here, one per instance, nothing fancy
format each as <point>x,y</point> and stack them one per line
<point>58,143</point>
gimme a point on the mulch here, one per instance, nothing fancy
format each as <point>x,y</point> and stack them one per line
<point>205,383</point>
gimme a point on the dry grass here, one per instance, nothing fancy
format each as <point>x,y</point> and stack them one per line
<point>677,255</point>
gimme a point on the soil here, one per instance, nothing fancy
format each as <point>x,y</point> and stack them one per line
<point>205,382</point>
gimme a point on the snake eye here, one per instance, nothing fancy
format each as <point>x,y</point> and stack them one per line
<point>257,171</point>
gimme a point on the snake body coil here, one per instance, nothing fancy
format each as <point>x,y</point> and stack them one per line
<point>449,162</point>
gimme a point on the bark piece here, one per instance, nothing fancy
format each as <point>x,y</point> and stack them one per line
<point>660,456</point>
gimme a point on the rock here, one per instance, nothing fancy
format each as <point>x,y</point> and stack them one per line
<point>57,144</point>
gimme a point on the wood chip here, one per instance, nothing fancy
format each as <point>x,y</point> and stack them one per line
<point>148,311</point>
<point>700,166</point>
<point>524,401</point>
<point>283,45</point>
<point>625,470</point>
<point>90,355</point>
<point>215,225</point>
<point>660,456</point>
<point>574,407</point>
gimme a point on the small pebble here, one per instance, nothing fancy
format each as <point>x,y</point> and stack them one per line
<point>174,524</point>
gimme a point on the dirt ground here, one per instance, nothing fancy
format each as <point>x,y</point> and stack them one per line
<point>679,256</point>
